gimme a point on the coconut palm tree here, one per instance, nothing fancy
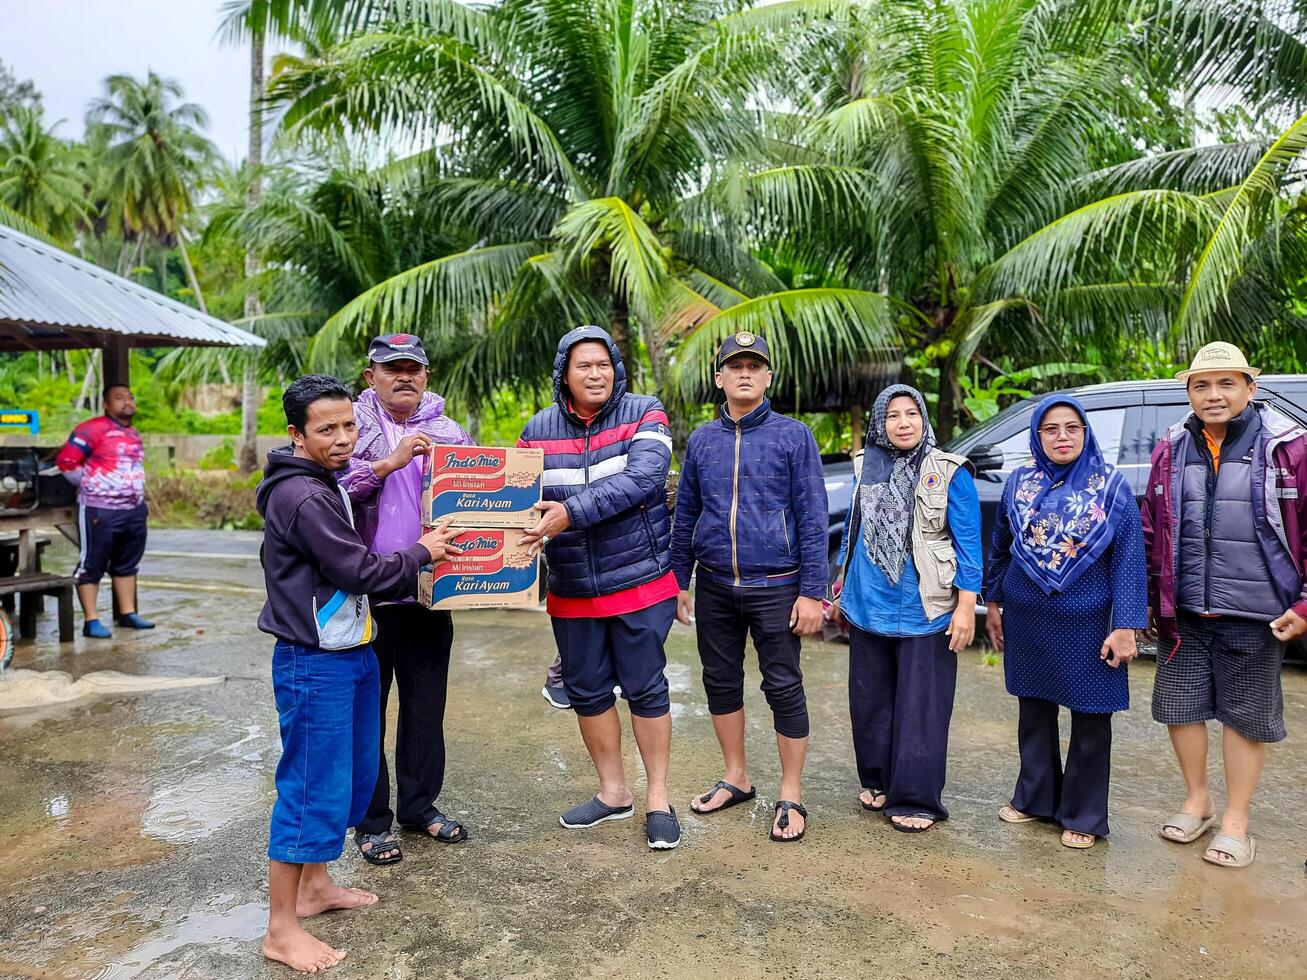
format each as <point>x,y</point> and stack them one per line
<point>154,157</point>
<point>38,175</point>
<point>607,156</point>
<point>976,133</point>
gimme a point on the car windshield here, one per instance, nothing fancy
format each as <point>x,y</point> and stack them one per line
<point>978,434</point>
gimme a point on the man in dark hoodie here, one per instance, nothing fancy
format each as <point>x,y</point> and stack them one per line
<point>612,594</point>
<point>318,574</point>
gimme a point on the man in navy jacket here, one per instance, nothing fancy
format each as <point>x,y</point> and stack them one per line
<point>612,595</point>
<point>751,513</point>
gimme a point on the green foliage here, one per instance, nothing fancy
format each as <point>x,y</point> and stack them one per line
<point>211,499</point>
<point>984,400</point>
<point>220,457</point>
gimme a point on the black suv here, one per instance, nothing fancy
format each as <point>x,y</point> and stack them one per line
<point>1129,417</point>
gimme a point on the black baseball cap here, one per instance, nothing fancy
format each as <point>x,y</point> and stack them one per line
<point>397,347</point>
<point>743,343</point>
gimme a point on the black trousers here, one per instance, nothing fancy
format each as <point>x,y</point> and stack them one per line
<point>1077,797</point>
<point>724,618</point>
<point>901,702</point>
<point>412,648</point>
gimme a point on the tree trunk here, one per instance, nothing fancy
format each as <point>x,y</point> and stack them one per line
<point>87,382</point>
<point>621,330</point>
<point>191,280</point>
<point>950,399</point>
<point>251,393</point>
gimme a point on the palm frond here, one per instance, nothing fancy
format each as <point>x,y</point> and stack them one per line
<point>437,298</point>
<point>1248,214</point>
<point>637,263</point>
<point>812,334</point>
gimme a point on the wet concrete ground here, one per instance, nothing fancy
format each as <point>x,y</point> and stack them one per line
<point>133,829</point>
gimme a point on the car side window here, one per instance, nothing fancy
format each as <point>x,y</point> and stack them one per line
<point>1108,424</point>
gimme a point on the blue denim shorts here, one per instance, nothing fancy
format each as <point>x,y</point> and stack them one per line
<point>328,705</point>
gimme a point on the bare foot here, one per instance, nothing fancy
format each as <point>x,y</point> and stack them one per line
<point>1074,838</point>
<point>330,897</point>
<point>300,951</point>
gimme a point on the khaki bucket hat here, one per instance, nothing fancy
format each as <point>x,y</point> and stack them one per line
<point>1218,356</point>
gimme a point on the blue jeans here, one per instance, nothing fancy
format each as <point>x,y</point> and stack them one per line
<point>328,708</point>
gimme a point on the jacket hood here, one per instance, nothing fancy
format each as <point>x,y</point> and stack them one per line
<point>284,464</point>
<point>432,406</point>
<point>570,340</point>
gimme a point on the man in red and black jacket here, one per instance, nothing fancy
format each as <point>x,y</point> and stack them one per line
<point>606,531</point>
<point>106,459</point>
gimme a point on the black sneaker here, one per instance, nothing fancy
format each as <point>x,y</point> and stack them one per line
<point>557,696</point>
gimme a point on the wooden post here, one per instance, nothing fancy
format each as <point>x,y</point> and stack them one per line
<point>855,421</point>
<point>117,366</point>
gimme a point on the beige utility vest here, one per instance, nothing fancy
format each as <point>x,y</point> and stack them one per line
<point>932,547</point>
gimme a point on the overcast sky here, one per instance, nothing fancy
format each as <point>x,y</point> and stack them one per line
<point>67,47</point>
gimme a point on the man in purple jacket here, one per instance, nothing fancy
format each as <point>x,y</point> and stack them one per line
<point>399,420</point>
<point>318,575</point>
<point>1224,519</point>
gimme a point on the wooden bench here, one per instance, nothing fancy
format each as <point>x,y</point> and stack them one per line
<point>31,588</point>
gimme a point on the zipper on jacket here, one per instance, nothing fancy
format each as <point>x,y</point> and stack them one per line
<point>1210,508</point>
<point>785,528</point>
<point>589,541</point>
<point>735,506</point>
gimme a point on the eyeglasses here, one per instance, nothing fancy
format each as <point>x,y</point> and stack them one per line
<point>1071,429</point>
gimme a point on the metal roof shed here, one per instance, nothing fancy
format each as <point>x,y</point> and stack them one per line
<point>51,300</point>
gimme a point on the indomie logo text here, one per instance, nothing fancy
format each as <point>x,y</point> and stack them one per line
<point>479,544</point>
<point>470,462</point>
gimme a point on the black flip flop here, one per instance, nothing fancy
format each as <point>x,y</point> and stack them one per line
<point>738,796</point>
<point>874,793</point>
<point>783,807</point>
<point>910,816</point>
<point>450,832</point>
<point>383,851</point>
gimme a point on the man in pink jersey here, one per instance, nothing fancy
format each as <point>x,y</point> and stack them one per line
<point>105,458</point>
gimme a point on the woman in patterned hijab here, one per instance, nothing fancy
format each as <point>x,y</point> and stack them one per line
<point>1068,548</point>
<point>912,567</point>
<point>889,478</point>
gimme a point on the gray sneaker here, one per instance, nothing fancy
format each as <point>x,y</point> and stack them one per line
<point>557,696</point>
<point>594,812</point>
<point>662,829</point>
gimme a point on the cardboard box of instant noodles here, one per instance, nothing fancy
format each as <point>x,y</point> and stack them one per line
<point>480,486</point>
<point>493,570</point>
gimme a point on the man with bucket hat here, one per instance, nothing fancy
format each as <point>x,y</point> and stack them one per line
<point>398,421</point>
<point>751,517</point>
<point>1225,526</point>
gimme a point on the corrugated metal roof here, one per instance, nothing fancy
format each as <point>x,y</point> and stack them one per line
<point>49,298</point>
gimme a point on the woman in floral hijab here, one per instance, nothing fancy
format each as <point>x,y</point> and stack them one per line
<point>1066,588</point>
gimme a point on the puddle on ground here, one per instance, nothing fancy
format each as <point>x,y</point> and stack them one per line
<point>212,929</point>
<point>200,804</point>
<point>38,688</point>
